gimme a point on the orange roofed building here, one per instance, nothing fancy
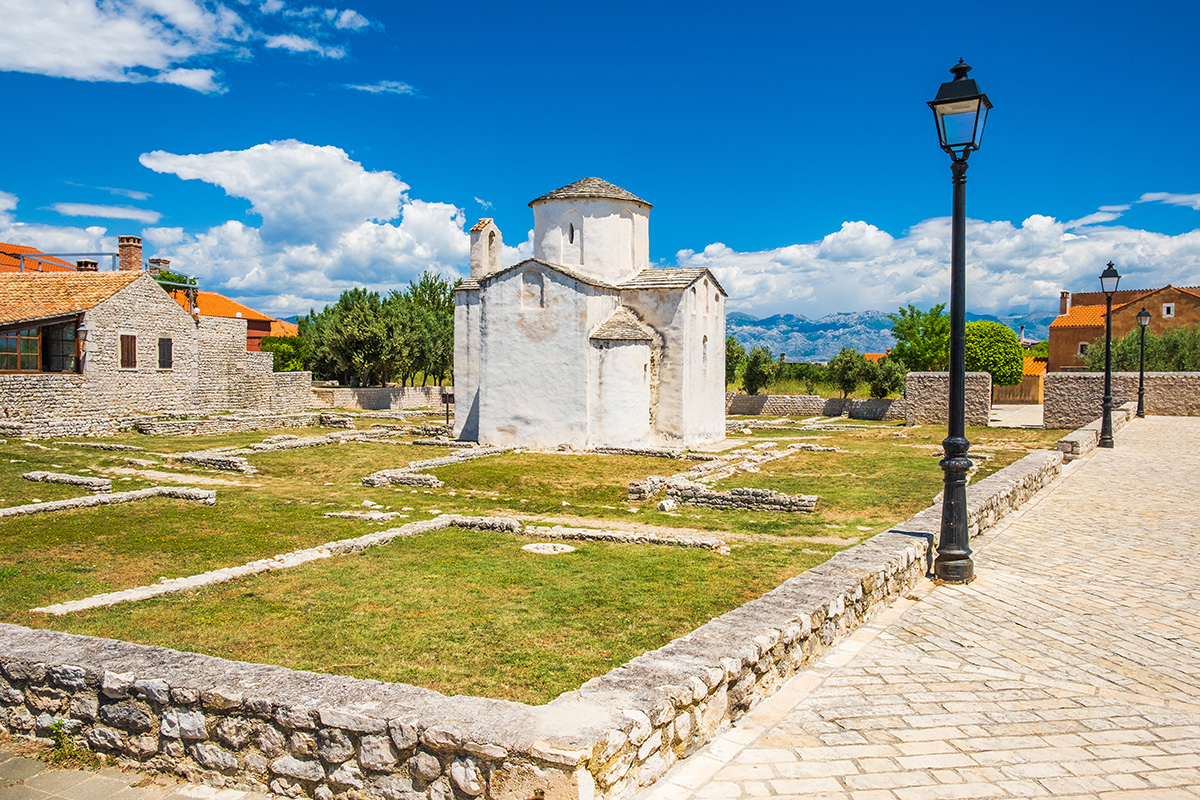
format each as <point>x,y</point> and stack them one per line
<point>1080,319</point>
<point>258,325</point>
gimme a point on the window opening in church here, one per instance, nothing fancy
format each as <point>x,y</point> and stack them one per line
<point>533,290</point>
<point>704,355</point>
<point>571,233</point>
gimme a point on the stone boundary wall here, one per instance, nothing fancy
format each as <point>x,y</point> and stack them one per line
<point>812,405</point>
<point>89,482</point>
<point>928,398</point>
<point>378,398</point>
<point>262,727</point>
<point>689,493</point>
<point>1079,443</point>
<point>206,496</point>
<point>1073,399</point>
<point>240,423</point>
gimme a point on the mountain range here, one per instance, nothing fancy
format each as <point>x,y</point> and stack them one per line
<point>803,339</point>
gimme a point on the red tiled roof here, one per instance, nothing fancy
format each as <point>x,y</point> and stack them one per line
<point>281,327</point>
<point>1034,365</point>
<point>874,356</point>
<point>1080,317</point>
<point>9,261</point>
<point>33,296</point>
<point>212,304</point>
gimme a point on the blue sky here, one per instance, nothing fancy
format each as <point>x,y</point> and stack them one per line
<point>285,151</point>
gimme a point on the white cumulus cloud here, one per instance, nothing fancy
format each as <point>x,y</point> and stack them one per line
<point>303,192</point>
<point>107,212</point>
<point>328,224</point>
<point>1010,268</point>
<point>135,41</point>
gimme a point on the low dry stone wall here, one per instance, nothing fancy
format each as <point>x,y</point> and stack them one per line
<point>240,423</point>
<point>697,494</point>
<point>255,726</point>
<point>98,485</point>
<point>1073,399</point>
<point>928,398</point>
<point>1079,443</point>
<point>391,398</point>
<point>812,405</point>
<point>409,475</point>
<point>205,496</point>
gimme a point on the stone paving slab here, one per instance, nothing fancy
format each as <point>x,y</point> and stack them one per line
<point>1069,668</point>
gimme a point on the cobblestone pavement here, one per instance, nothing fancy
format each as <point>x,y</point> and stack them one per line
<point>24,778</point>
<point>1069,668</point>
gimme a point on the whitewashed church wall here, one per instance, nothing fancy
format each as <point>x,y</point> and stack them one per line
<point>612,238</point>
<point>704,372</point>
<point>619,385</point>
<point>534,361</point>
<point>466,365</point>
<point>662,310</point>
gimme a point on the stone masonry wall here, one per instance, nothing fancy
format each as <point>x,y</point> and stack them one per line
<point>1073,399</point>
<point>211,373</point>
<point>812,405</point>
<point>379,398</point>
<point>928,398</point>
<point>102,399</point>
<point>235,724</point>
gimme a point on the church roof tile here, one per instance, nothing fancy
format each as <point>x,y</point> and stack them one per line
<point>622,326</point>
<point>594,188</point>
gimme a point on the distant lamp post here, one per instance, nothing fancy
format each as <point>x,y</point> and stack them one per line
<point>1108,282</point>
<point>1143,319</point>
<point>960,111</point>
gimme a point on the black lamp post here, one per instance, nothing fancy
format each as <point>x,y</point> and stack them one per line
<point>1143,319</point>
<point>960,111</point>
<point>1108,282</point>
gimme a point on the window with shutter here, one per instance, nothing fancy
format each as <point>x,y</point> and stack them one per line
<point>128,351</point>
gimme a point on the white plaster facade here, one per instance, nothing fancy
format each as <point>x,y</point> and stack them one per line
<point>584,344</point>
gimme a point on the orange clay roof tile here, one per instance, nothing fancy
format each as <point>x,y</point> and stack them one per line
<point>34,296</point>
<point>281,327</point>
<point>1034,365</point>
<point>10,261</point>
<point>212,304</point>
<point>1080,317</point>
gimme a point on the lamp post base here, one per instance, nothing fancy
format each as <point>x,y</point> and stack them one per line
<point>953,563</point>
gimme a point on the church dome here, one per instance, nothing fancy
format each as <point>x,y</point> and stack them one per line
<point>591,189</point>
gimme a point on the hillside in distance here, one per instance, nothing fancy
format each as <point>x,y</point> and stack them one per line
<point>803,339</point>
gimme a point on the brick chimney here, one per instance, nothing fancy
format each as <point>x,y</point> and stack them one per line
<point>1064,302</point>
<point>87,265</point>
<point>157,265</point>
<point>130,250</point>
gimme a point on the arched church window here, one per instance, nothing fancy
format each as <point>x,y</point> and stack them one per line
<point>571,233</point>
<point>533,289</point>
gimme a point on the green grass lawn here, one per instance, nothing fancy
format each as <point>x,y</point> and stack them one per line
<point>458,611</point>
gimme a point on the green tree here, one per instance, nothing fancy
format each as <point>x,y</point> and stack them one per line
<point>292,353</point>
<point>760,370</point>
<point>1039,350</point>
<point>735,360</point>
<point>1176,350</point>
<point>883,377</point>
<point>922,338</point>
<point>994,348</point>
<point>846,370</point>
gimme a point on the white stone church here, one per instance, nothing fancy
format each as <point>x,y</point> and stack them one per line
<point>584,344</point>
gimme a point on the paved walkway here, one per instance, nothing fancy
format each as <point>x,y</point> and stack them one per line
<point>1069,668</point>
<point>1016,417</point>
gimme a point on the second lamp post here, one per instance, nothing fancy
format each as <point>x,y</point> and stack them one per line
<point>1108,282</point>
<point>960,111</point>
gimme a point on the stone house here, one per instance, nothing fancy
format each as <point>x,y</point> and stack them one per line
<point>585,344</point>
<point>84,352</point>
<point>1080,319</point>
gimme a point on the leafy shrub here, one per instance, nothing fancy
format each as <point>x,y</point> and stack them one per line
<point>883,377</point>
<point>994,348</point>
<point>760,370</point>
